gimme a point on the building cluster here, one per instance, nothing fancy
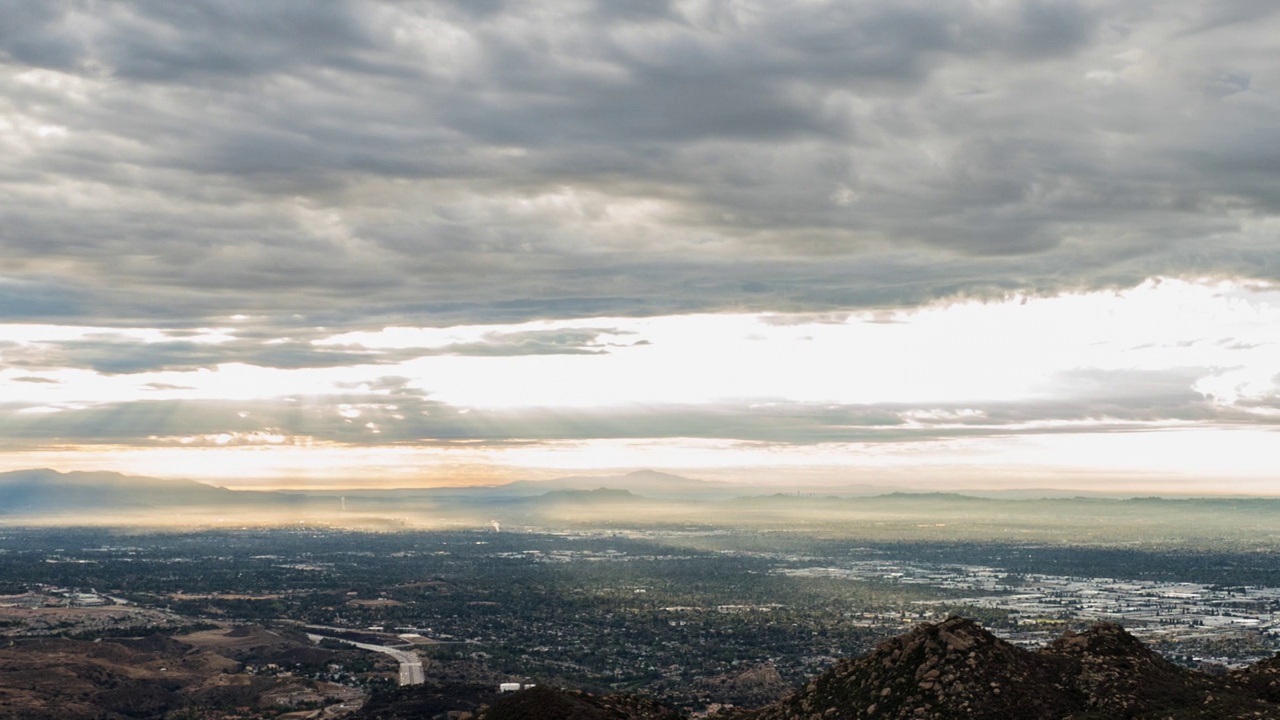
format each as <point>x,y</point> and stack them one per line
<point>54,596</point>
<point>1038,605</point>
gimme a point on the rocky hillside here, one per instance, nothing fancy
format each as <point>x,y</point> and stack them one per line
<point>956,669</point>
<point>751,687</point>
<point>157,677</point>
<point>542,703</point>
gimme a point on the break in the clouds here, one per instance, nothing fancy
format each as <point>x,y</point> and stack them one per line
<point>226,222</point>
<point>963,381</point>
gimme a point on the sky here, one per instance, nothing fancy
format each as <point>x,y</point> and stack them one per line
<point>974,243</point>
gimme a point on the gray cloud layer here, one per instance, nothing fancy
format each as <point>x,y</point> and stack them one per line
<point>359,163</point>
<point>388,412</point>
<point>116,354</point>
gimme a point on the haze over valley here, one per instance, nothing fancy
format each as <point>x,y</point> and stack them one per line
<point>645,500</point>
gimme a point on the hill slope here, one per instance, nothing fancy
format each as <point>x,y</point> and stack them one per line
<point>956,669</point>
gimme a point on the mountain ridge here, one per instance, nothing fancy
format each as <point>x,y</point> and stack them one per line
<point>640,482</point>
<point>43,490</point>
<point>48,492</point>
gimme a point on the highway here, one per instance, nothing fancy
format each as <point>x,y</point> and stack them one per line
<point>410,664</point>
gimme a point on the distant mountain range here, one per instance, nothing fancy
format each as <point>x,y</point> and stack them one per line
<point>641,482</point>
<point>43,492</point>
<point>645,499</point>
<point>650,483</point>
<point>47,491</point>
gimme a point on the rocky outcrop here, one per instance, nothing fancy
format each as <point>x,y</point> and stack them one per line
<point>1262,680</point>
<point>956,669</point>
<point>1117,676</point>
<point>749,687</point>
<point>948,670</point>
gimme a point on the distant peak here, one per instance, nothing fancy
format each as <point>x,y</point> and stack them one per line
<point>595,492</point>
<point>918,496</point>
<point>655,474</point>
<point>32,473</point>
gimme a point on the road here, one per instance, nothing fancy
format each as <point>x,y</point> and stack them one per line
<point>410,664</point>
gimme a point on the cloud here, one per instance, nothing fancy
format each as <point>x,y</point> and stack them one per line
<point>187,350</point>
<point>367,163</point>
<point>123,356</point>
<point>366,223</point>
<point>29,298</point>
<point>532,342</point>
<point>1168,354</point>
<point>389,412</point>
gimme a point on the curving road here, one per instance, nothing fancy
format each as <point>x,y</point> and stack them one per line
<point>410,664</point>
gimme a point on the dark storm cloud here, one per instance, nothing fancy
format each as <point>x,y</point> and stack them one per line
<point>358,164</point>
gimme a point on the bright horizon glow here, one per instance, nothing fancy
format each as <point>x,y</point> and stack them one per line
<point>1040,384</point>
<point>1208,461</point>
<point>993,351</point>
